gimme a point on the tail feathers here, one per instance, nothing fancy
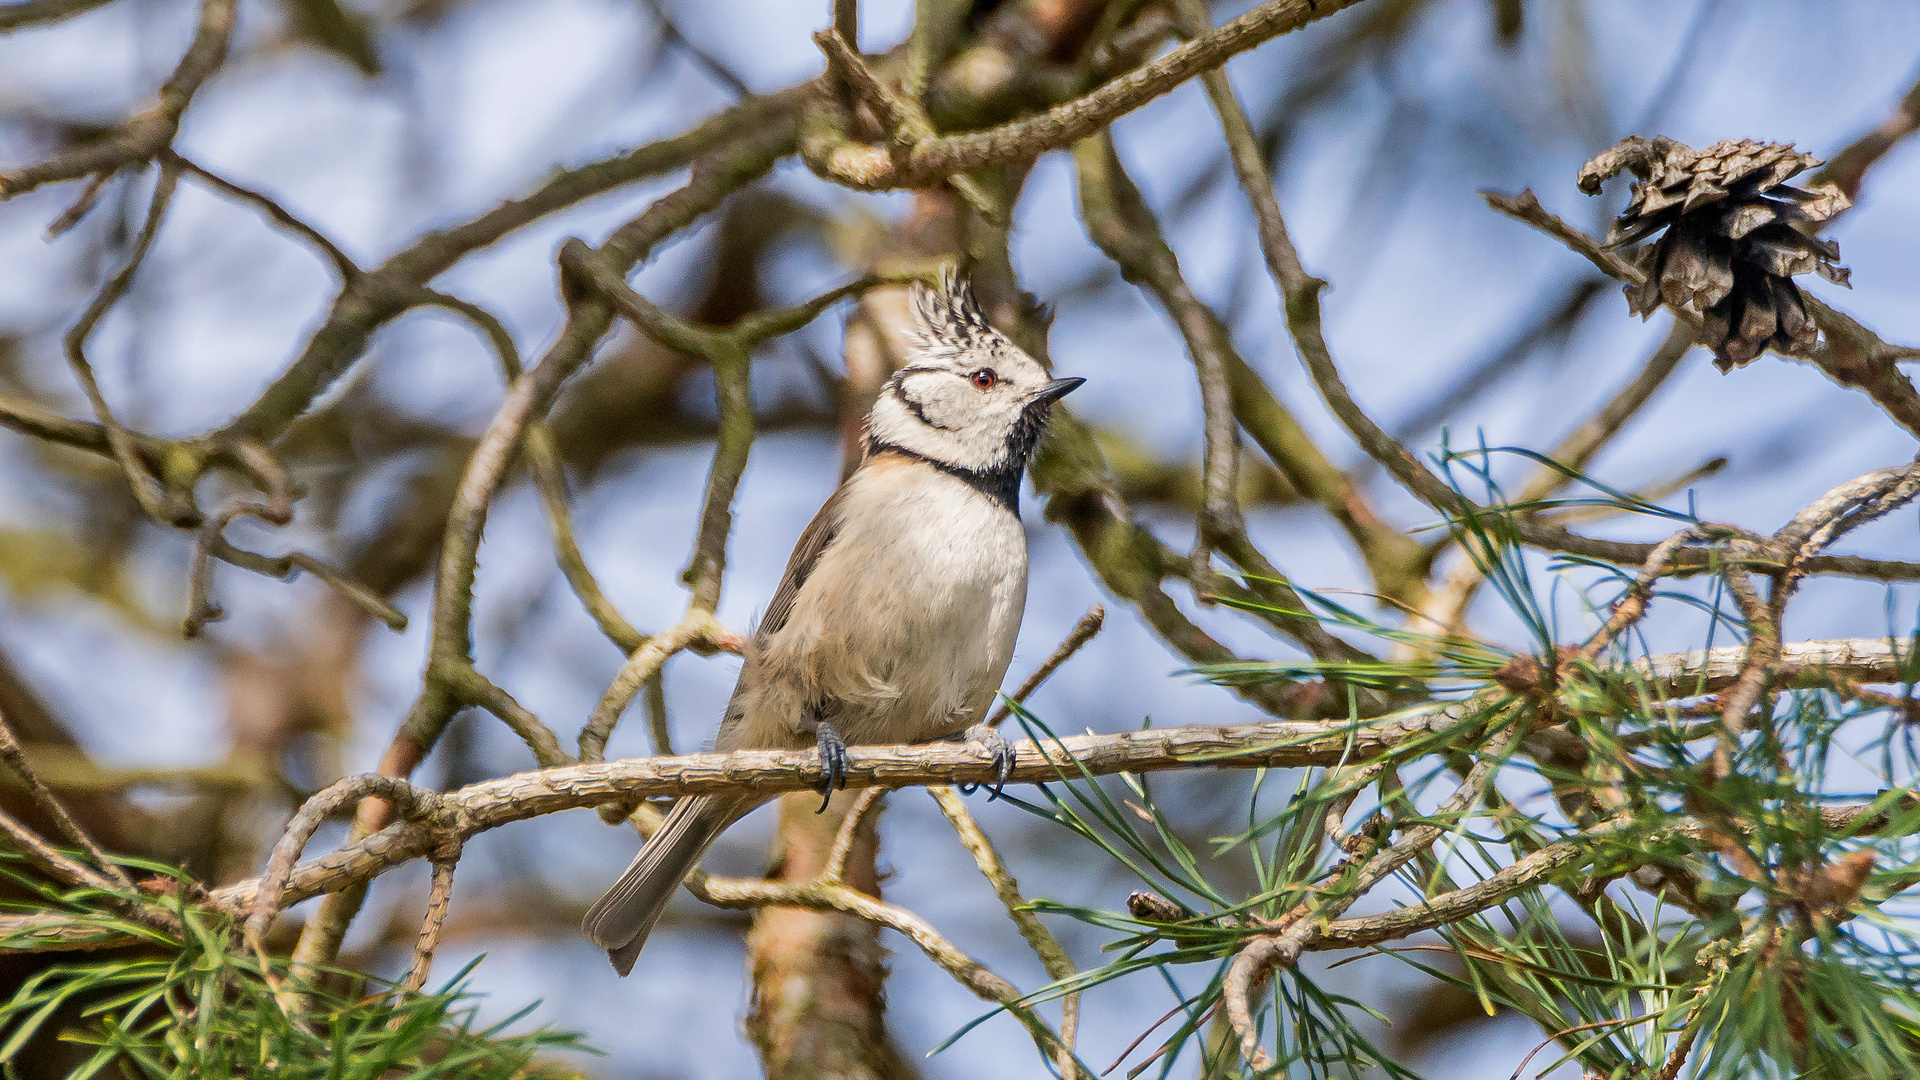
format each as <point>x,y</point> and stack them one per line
<point>623,916</point>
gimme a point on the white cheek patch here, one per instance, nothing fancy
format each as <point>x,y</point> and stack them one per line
<point>933,413</point>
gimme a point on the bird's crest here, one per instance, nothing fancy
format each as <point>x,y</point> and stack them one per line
<point>948,317</point>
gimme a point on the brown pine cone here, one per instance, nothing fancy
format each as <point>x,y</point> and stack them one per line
<point>1731,249</point>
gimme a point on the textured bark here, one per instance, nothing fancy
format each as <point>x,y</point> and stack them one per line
<point>819,978</point>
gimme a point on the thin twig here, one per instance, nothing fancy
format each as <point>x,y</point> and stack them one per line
<point>671,33</point>
<point>824,895</point>
<point>1052,957</point>
<point>34,12</point>
<point>835,868</point>
<point>1847,169</point>
<point>1390,554</point>
<point>211,544</point>
<point>697,627</point>
<point>658,729</point>
<point>549,478</point>
<point>80,207</point>
<point>159,504</point>
<point>51,860</point>
<point>271,889</point>
<point>16,758</point>
<point>143,137</point>
<point>477,689</point>
<point>438,898</point>
<point>1083,631</point>
<point>344,266</point>
<point>1121,224</point>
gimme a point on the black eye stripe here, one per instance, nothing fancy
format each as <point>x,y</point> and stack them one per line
<point>914,407</point>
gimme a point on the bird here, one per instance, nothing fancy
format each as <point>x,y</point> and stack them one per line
<point>897,615</point>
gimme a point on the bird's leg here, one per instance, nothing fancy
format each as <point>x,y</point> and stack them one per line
<point>990,742</point>
<point>833,759</point>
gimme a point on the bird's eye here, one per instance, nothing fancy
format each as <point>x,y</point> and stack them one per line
<point>984,379</point>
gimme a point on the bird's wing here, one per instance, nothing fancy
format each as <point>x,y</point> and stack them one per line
<point>820,532</point>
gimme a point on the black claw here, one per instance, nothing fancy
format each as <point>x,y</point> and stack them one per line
<point>833,763</point>
<point>1001,751</point>
<point>1002,769</point>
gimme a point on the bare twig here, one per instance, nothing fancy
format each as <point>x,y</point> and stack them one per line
<point>1580,445</point>
<point>144,137</point>
<point>1252,966</point>
<point>266,900</point>
<point>56,811</point>
<point>386,291</point>
<point>438,897</point>
<point>1389,554</point>
<point>476,689</point>
<point>80,207</point>
<point>1220,517</point>
<point>1082,632</point>
<point>824,895</point>
<point>643,665</point>
<point>1847,169</point>
<point>1120,223</point>
<point>549,478</point>
<point>211,544</point>
<point>1052,957</point>
<point>728,353</point>
<point>670,32</point>
<point>835,868</point>
<point>1632,607</point>
<point>344,266</point>
<point>934,159</point>
<point>160,504</point>
<point>51,860</point>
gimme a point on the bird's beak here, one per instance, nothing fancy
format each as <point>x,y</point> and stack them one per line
<point>1054,391</point>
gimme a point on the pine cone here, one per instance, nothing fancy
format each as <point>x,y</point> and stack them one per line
<point>1731,249</point>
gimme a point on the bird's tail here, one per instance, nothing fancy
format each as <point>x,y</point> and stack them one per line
<point>623,916</point>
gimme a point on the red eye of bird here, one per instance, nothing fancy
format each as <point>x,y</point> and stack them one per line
<point>984,379</point>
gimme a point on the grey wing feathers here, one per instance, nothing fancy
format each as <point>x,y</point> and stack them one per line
<point>819,533</point>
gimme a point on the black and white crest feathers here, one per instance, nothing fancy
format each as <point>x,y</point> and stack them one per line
<point>950,318</point>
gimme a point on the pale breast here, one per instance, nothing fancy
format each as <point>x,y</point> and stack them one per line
<point>904,627</point>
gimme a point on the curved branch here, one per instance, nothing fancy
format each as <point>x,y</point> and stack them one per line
<point>147,135</point>
<point>930,161</point>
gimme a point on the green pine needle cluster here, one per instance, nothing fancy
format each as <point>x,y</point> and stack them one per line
<point>200,1006</point>
<point>1713,928</point>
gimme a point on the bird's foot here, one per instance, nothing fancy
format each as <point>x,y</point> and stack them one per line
<point>990,742</point>
<point>833,763</point>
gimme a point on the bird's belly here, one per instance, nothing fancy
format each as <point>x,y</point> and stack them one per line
<point>905,629</point>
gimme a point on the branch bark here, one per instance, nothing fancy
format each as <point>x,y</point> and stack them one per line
<point>932,160</point>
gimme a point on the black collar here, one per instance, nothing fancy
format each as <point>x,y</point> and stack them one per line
<point>1001,484</point>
